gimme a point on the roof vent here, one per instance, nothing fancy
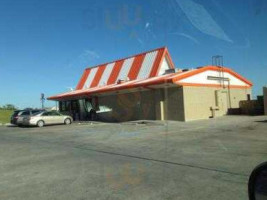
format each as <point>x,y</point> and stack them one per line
<point>169,71</point>
<point>120,81</point>
<point>185,70</point>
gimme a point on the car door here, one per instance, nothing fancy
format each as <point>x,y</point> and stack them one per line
<point>22,116</point>
<point>46,118</point>
<point>56,118</point>
<point>61,118</point>
<point>50,118</point>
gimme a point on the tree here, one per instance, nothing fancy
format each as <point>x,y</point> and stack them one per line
<point>9,107</point>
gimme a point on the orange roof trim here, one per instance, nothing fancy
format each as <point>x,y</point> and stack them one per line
<point>213,68</point>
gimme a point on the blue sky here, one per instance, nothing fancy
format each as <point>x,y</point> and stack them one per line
<point>45,45</point>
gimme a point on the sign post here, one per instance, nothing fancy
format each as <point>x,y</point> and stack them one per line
<point>42,100</point>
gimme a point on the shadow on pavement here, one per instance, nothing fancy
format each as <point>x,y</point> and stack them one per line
<point>262,121</point>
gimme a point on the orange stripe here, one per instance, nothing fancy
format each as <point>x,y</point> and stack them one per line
<point>213,85</point>
<point>135,55</point>
<point>98,75</point>
<point>87,71</point>
<point>115,72</point>
<point>157,63</point>
<point>137,64</point>
<point>83,79</point>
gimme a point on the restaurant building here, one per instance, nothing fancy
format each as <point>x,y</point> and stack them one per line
<point>147,86</point>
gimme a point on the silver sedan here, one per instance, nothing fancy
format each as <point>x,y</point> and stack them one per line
<point>45,118</point>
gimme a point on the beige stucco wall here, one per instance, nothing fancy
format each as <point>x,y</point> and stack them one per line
<point>174,109</point>
<point>207,102</point>
<point>177,103</point>
<point>144,105</point>
<point>129,107</point>
<point>172,102</point>
<point>265,99</point>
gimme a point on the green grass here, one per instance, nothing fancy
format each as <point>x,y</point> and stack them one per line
<point>5,116</point>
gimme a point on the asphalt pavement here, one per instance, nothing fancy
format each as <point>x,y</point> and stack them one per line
<point>207,159</point>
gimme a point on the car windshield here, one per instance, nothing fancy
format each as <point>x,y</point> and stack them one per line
<point>23,113</point>
<point>16,113</point>
<point>55,112</point>
<point>37,113</point>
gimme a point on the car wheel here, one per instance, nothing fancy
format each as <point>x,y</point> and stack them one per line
<point>67,121</point>
<point>40,123</point>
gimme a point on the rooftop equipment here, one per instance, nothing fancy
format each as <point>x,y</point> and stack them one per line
<point>169,71</point>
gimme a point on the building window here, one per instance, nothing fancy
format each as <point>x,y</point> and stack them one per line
<point>88,105</point>
<point>62,106</point>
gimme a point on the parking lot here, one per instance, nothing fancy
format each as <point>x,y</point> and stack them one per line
<point>208,159</point>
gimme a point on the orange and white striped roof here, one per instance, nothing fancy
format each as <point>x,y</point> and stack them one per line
<point>138,67</point>
<point>146,71</point>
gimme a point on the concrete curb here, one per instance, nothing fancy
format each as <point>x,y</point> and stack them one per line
<point>88,122</point>
<point>6,124</point>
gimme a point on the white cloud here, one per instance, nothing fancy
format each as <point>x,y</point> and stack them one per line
<point>202,20</point>
<point>89,55</point>
<point>187,36</point>
<point>85,58</point>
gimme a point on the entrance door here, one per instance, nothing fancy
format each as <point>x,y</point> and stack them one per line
<point>224,102</point>
<point>75,111</point>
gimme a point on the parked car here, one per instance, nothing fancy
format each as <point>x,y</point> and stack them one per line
<point>15,116</point>
<point>45,118</point>
<point>23,113</point>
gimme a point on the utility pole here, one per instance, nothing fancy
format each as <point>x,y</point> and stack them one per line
<point>42,100</point>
